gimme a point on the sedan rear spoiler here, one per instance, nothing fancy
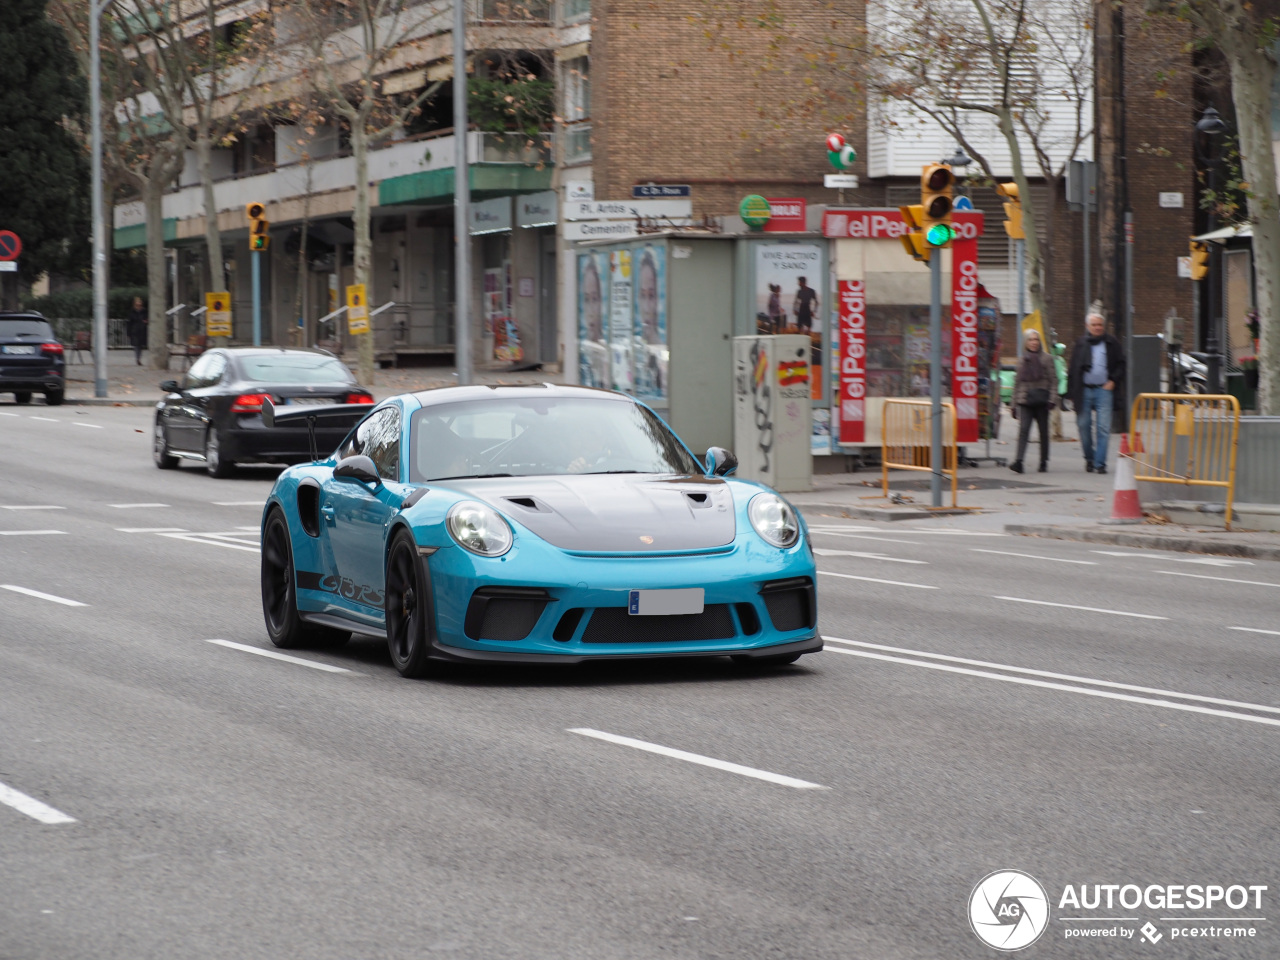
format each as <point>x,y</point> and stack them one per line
<point>331,415</point>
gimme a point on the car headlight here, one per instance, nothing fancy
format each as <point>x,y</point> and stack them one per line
<point>774,519</point>
<point>479,528</point>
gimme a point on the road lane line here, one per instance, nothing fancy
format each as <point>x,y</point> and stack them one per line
<point>42,596</point>
<point>239,503</point>
<point>1072,606</point>
<point>1271,633</point>
<point>1034,556</point>
<point>699,759</point>
<point>894,583</point>
<point>196,538</point>
<point>1202,576</point>
<point>1062,676</point>
<point>3,414</point>
<point>134,506</point>
<point>32,533</point>
<point>31,507</point>
<point>823,552</point>
<point>46,419</point>
<point>32,807</point>
<point>861,536</point>
<point>1067,688</point>
<point>151,530</point>
<point>91,426</point>
<point>271,654</point>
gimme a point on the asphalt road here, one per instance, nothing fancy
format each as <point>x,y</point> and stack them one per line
<point>1086,715</point>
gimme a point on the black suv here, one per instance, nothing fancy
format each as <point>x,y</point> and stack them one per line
<point>31,359</point>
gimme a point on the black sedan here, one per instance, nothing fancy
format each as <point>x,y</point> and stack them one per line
<point>214,416</point>
<point>31,359</point>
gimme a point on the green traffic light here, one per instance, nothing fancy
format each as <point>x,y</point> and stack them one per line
<point>939,235</point>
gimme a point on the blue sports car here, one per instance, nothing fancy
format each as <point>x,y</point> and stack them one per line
<point>529,524</point>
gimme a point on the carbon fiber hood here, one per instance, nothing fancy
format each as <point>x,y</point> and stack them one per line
<point>618,513</point>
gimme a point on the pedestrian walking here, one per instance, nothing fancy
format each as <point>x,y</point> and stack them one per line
<point>137,329</point>
<point>1034,395</point>
<point>1095,384</point>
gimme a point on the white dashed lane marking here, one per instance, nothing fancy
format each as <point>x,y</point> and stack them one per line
<point>1201,576</point>
<point>151,530</point>
<point>91,426</point>
<point>32,807</point>
<point>284,657</point>
<point>892,583</point>
<point>27,591</point>
<point>698,759</point>
<point>30,507</point>
<point>136,506</point>
<point>238,503</point>
<point>32,533</point>
<point>46,419</point>
<point>822,552</point>
<point>1072,606</point>
<point>1034,556</point>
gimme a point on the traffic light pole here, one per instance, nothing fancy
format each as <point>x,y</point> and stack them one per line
<point>935,377</point>
<point>256,257</point>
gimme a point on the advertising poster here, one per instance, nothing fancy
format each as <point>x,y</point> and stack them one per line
<point>786,296</point>
<point>649,282</point>
<point>620,320</point>
<point>593,306</point>
<point>964,335</point>
<point>852,358</point>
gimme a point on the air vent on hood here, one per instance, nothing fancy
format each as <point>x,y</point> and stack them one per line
<point>697,500</point>
<point>527,502</point>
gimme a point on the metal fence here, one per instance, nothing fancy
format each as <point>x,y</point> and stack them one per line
<point>906,440</point>
<point>66,328</point>
<point>1187,439</point>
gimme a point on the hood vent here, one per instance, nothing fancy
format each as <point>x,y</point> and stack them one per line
<point>527,502</point>
<point>698,500</point>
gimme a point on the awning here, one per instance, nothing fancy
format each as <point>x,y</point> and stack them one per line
<point>488,180</point>
<point>1223,234</point>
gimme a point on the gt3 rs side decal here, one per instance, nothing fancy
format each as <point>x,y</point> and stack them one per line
<point>344,587</point>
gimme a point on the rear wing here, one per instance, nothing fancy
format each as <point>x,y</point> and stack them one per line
<point>330,415</point>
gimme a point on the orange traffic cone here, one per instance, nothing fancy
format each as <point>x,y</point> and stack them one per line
<point>1125,506</point>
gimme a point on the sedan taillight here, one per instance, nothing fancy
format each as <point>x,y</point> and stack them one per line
<point>248,402</point>
<point>55,348</point>
<point>359,398</point>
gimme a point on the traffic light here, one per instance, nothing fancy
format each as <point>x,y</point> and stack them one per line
<point>937,187</point>
<point>1012,210</point>
<point>913,240</point>
<point>258,226</point>
<point>1199,260</point>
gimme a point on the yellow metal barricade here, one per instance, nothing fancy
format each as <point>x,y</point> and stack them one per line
<point>1186,438</point>
<point>906,439</point>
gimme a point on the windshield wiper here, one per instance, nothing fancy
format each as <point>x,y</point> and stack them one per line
<point>470,476</point>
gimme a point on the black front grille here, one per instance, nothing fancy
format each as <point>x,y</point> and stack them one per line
<point>615,625</point>
<point>504,613</point>
<point>791,603</point>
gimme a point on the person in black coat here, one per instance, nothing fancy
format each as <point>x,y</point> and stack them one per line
<point>1033,397</point>
<point>1095,384</point>
<point>137,329</point>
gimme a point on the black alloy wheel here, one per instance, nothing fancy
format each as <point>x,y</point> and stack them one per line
<point>279,597</point>
<point>408,609</point>
<point>160,449</point>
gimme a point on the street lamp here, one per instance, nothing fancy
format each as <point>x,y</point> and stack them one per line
<point>461,199</point>
<point>1208,128</point>
<point>96,9</point>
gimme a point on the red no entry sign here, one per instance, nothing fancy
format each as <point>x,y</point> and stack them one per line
<point>10,245</point>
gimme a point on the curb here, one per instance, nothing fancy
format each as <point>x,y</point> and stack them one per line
<point>106,402</point>
<point>879,513</point>
<point>1154,541</point>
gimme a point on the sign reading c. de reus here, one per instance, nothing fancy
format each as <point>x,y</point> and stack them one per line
<point>217,314</point>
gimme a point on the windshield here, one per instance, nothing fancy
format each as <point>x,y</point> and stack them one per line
<point>531,436</point>
<point>29,328</point>
<point>289,368</point>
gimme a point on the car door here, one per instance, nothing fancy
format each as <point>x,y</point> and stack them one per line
<point>358,515</point>
<point>182,415</point>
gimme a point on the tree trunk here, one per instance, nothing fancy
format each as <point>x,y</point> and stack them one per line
<point>152,198</point>
<point>1253,74</point>
<point>1110,192</point>
<point>212,236</point>
<point>1034,261</point>
<point>364,244</point>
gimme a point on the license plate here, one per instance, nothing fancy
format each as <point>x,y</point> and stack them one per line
<point>665,603</point>
<point>313,401</point>
<point>23,351</point>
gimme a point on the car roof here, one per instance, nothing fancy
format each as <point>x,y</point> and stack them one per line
<point>452,394</point>
<point>22,315</point>
<point>267,351</point>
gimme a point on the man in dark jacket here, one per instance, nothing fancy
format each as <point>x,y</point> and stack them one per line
<point>1095,383</point>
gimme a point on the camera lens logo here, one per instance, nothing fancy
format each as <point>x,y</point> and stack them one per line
<point>1008,910</point>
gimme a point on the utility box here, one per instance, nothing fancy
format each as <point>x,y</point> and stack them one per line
<point>1148,361</point>
<point>772,410</point>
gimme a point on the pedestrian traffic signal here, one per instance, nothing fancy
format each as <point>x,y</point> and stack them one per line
<point>913,241</point>
<point>1012,210</point>
<point>1199,260</point>
<point>258,226</point>
<point>937,188</point>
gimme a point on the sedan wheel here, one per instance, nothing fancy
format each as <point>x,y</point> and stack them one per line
<point>408,610</point>
<point>22,397</point>
<point>160,450</point>
<point>213,460</point>
<point>279,595</point>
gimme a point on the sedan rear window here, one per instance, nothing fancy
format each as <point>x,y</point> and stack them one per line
<point>288,368</point>
<point>27,328</point>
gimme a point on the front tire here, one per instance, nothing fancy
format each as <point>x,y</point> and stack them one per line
<point>216,465</point>
<point>279,594</point>
<point>408,610</point>
<point>160,449</point>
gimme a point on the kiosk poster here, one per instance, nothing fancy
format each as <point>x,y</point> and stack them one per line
<point>852,358</point>
<point>786,297</point>
<point>620,320</point>
<point>651,350</point>
<point>964,334</point>
<point>593,302</point>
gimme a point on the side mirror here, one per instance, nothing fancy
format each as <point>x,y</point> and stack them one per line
<point>359,468</point>
<point>720,462</point>
<point>169,386</point>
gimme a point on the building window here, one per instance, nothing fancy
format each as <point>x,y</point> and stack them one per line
<point>577,89</point>
<point>571,10</point>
